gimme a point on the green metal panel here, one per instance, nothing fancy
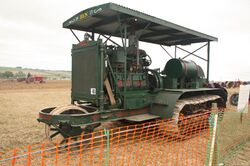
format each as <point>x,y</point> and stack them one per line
<point>86,72</point>
<point>137,99</point>
<point>170,82</point>
<point>164,103</point>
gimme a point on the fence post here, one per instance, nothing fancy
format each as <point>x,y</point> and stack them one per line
<point>217,140</point>
<point>68,154</point>
<point>211,144</point>
<point>80,152</point>
<point>14,157</point>
<point>56,160</point>
<point>106,133</point>
<point>42,155</point>
<point>29,156</point>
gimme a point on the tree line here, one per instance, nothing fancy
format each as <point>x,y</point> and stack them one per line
<point>9,74</point>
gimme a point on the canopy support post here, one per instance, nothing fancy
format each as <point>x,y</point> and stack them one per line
<point>93,36</point>
<point>123,33</point>
<point>175,51</point>
<point>208,59</point>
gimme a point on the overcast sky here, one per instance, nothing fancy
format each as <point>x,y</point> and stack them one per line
<point>31,33</point>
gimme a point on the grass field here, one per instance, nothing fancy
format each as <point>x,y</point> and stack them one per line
<point>21,102</point>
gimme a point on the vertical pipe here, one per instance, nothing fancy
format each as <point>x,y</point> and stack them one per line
<point>208,59</point>
<point>102,78</point>
<point>124,44</point>
<point>125,64</point>
<point>72,77</point>
<point>93,36</point>
<point>175,50</point>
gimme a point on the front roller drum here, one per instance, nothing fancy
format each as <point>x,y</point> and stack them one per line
<point>60,133</point>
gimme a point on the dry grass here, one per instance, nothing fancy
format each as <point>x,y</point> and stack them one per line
<point>241,158</point>
<point>20,104</point>
<point>234,130</point>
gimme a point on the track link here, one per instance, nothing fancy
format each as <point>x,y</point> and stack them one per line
<point>186,115</point>
<point>199,104</point>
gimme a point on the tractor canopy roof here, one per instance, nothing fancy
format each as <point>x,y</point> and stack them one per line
<point>107,19</point>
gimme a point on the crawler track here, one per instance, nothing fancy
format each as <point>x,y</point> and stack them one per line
<point>190,107</point>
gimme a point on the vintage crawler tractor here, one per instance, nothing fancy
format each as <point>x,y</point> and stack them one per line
<point>112,82</point>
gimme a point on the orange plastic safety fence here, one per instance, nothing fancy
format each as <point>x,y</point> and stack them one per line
<point>160,142</point>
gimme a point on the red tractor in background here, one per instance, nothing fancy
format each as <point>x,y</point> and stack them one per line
<point>33,79</point>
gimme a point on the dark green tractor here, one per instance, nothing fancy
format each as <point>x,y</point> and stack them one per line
<point>112,81</point>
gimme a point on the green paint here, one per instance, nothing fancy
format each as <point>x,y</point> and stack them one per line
<point>86,72</point>
<point>106,133</point>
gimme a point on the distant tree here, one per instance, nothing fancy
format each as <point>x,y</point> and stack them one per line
<point>1,75</point>
<point>7,74</point>
<point>20,74</point>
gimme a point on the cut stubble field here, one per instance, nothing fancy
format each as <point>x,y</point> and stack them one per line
<point>21,102</point>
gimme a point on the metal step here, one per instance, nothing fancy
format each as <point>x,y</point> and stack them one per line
<point>142,117</point>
